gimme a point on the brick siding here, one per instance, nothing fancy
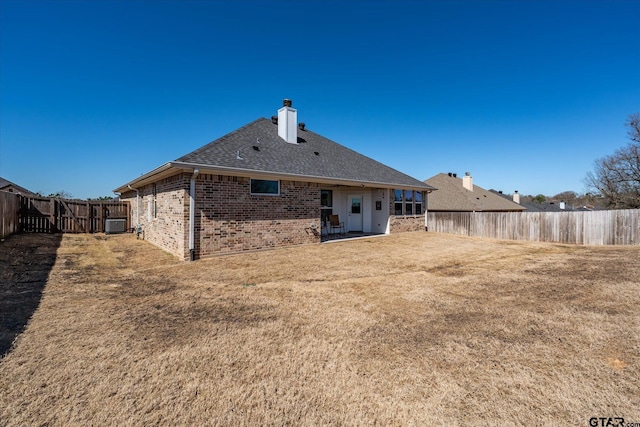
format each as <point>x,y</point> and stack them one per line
<point>230,219</point>
<point>169,227</point>
<point>403,223</point>
<point>399,224</point>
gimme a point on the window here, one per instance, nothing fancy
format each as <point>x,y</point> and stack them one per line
<point>155,201</point>
<point>265,187</point>
<point>408,205</point>
<point>397,197</point>
<point>407,202</point>
<point>326,203</point>
<point>418,202</point>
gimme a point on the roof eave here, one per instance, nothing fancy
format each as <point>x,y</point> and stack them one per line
<point>226,170</point>
<point>171,168</point>
<point>158,173</point>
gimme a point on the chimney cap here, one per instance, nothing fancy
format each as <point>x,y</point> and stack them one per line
<point>287,102</point>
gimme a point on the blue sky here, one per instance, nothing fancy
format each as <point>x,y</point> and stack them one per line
<point>524,95</point>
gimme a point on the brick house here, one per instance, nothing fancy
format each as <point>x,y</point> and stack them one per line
<point>271,183</point>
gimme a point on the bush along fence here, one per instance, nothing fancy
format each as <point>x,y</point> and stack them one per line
<point>614,227</point>
<point>53,215</point>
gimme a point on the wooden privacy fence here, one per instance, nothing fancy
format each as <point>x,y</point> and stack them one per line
<point>614,227</point>
<point>52,215</point>
<point>9,207</point>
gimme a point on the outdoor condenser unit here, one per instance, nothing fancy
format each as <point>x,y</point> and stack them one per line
<point>113,226</point>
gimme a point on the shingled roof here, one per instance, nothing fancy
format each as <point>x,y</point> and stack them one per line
<point>6,185</point>
<point>452,196</point>
<point>256,150</point>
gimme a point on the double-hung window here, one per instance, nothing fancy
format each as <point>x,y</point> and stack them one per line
<point>418,203</point>
<point>397,198</point>
<point>407,202</point>
<point>155,200</point>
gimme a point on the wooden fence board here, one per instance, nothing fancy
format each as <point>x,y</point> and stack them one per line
<point>52,215</point>
<point>9,208</point>
<point>614,227</point>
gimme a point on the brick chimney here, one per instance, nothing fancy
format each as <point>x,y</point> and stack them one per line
<point>467,181</point>
<point>288,122</point>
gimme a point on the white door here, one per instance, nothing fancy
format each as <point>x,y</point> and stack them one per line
<point>354,221</point>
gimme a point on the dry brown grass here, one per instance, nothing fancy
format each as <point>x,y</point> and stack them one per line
<point>409,329</point>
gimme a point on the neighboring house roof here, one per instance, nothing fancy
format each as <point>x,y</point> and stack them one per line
<point>6,185</point>
<point>452,196</point>
<point>256,150</point>
<point>550,206</point>
<point>554,207</point>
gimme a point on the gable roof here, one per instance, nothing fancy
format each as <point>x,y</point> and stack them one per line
<point>6,185</point>
<point>256,150</point>
<point>453,197</point>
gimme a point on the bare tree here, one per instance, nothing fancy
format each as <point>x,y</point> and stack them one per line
<point>617,177</point>
<point>633,123</point>
<point>62,194</point>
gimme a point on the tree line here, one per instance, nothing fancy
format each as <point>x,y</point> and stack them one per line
<point>614,182</point>
<point>616,177</point>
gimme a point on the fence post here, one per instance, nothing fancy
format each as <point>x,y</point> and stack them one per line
<point>89,225</point>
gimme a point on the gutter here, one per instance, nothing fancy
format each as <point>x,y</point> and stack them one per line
<point>138,228</point>
<point>173,167</point>
<point>192,215</point>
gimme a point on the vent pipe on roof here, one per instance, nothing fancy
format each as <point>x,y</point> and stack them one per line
<point>301,126</point>
<point>287,122</point>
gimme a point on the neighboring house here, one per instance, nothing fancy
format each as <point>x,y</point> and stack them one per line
<point>271,183</point>
<point>554,206</point>
<point>461,195</point>
<point>546,206</point>
<point>14,188</point>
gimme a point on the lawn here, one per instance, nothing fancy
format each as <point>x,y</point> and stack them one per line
<point>409,329</point>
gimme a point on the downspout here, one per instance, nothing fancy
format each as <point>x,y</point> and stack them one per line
<point>192,215</point>
<point>137,208</point>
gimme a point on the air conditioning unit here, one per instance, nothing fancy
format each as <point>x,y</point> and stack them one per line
<point>113,226</point>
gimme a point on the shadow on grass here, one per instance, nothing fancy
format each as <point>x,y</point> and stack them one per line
<point>26,259</point>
